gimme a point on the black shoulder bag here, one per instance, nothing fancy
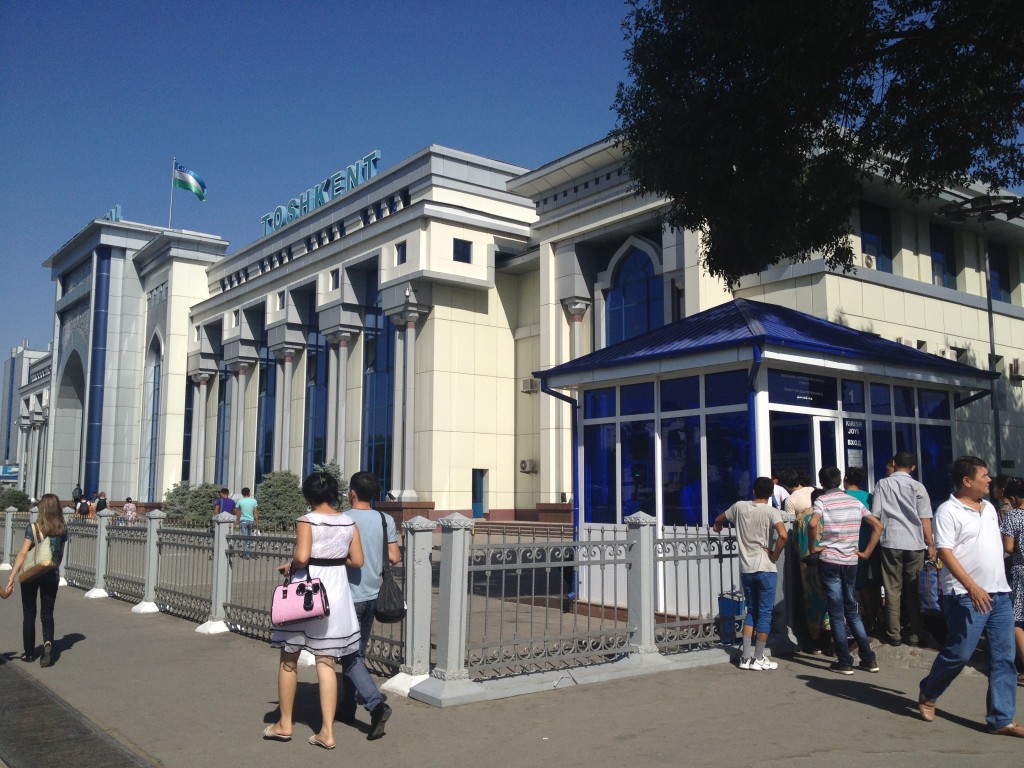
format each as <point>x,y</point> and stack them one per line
<point>390,600</point>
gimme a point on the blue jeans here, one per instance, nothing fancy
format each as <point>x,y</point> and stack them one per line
<point>357,677</point>
<point>759,592</point>
<point>839,583</point>
<point>964,627</point>
<point>247,526</point>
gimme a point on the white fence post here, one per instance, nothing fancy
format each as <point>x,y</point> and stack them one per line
<point>99,588</point>
<point>8,530</point>
<point>448,683</point>
<point>640,583</point>
<point>419,539</point>
<point>221,591</point>
<point>154,520</point>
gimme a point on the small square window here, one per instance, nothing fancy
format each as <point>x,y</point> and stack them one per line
<point>463,251</point>
<point>335,281</point>
<point>400,252</point>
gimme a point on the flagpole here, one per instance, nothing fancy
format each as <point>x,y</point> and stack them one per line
<point>170,212</point>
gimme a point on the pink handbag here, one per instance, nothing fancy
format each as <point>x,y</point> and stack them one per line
<point>299,601</point>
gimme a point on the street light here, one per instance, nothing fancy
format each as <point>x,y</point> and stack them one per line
<point>984,209</point>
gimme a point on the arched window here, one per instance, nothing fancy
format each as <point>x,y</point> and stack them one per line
<point>635,304</point>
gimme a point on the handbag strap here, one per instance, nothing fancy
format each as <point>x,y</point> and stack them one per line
<point>386,562</point>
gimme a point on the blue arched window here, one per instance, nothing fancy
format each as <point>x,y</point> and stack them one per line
<point>635,303</point>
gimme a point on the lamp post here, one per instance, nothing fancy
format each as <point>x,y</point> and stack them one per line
<point>984,209</point>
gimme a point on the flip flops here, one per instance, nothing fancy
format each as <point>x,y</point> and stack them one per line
<point>272,735</point>
<point>317,743</point>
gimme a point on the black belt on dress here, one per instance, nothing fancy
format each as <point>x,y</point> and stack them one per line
<point>325,561</point>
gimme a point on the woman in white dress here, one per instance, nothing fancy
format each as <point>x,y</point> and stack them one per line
<point>326,540</point>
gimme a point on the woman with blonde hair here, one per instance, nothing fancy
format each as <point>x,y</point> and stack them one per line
<point>50,524</point>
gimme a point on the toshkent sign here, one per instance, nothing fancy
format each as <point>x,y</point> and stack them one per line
<point>322,193</point>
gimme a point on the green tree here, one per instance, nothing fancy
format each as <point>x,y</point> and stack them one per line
<point>761,121</point>
<point>13,497</point>
<point>281,501</point>
<point>176,499</point>
<point>333,468</point>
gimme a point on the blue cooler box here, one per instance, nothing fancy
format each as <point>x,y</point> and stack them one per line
<point>731,609</point>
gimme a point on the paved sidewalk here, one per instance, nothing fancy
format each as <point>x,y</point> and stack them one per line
<point>178,699</point>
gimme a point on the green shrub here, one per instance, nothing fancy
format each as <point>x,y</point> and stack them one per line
<point>13,497</point>
<point>280,500</point>
<point>331,468</point>
<point>200,502</point>
<point>176,499</point>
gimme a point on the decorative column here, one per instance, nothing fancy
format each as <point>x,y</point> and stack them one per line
<point>238,419</point>
<point>232,446</point>
<point>282,438</point>
<point>409,409</point>
<point>397,431</point>
<point>199,429</point>
<point>338,395</point>
<point>33,457</point>
<point>23,438</point>
<point>154,520</point>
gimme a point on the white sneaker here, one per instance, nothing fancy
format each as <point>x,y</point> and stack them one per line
<point>763,664</point>
<point>745,663</point>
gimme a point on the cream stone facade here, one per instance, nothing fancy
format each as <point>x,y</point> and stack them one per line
<point>398,328</point>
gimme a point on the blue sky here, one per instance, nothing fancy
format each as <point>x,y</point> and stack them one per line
<point>262,99</point>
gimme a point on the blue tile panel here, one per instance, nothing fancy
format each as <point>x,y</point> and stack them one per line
<point>97,370</point>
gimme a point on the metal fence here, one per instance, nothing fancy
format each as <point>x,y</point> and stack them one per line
<point>185,583</point>
<point>486,602</point>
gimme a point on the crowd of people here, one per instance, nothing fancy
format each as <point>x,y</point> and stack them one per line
<point>860,559</point>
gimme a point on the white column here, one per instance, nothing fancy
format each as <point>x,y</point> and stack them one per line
<point>232,431</point>
<point>409,410</point>
<point>576,308</point>
<point>397,431</point>
<point>23,437</point>
<point>238,413</point>
<point>338,396</point>
<point>332,397</point>
<point>34,458</point>
<point>199,435</point>
<point>286,413</point>
<point>278,412</point>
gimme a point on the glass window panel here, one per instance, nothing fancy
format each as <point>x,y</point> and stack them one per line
<point>934,404</point>
<point>854,442</point>
<point>881,447</point>
<point>935,461</point>
<point>876,235</point>
<point>792,441</point>
<point>682,495</point>
<point>600,500</point>
<point>853,396</point>
<point>728,470</point>
<point>903,401</point>
<point>638,468</point>
<point>944,268</point>
<point>906,438</point>
<point>635,302</point>
<point>599,403</point>
<point>787,388</point>
<point>999,271</point>
<point>729,388</point>
<point>880,400</point>
<point>637,398</point>
<point>827,443</point>
<point>680,394</point>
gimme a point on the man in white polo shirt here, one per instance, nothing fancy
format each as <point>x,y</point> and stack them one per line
<point>975,597</point>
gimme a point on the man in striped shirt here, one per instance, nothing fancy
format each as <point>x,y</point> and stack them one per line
<point>838,516</point>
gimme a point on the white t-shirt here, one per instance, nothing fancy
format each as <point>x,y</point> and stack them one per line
<point>976,543</point>
<point>754,524</point>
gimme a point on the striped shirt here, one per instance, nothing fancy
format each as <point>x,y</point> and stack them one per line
<point>841,516</point>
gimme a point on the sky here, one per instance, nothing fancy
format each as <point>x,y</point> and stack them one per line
<point>262,99</point>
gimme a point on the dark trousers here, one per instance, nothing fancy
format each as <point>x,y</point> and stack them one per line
<point>357,679</point>
<point>46,587</point>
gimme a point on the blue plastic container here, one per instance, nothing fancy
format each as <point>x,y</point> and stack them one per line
<point>731,610</point>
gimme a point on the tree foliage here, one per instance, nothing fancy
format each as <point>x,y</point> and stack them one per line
<point>193,503</point>
<point>280,499</point>
<point>13,497</point>
<point>761,121</point>
<point>334,469</point>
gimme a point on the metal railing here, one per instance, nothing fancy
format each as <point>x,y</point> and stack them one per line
<point>487,606</point>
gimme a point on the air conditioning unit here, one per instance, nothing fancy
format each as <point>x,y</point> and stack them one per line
<point>529,386</point>
<point>529,466</point>
<point>1016,369</point>
<point>906,342</point>
<point>948,353</point>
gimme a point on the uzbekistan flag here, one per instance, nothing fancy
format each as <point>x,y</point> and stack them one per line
<point>186,179</point>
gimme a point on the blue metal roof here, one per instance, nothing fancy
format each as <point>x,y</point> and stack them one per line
<point>745,323</point>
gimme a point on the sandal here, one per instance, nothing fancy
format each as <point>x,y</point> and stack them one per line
<point>26,657</point>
